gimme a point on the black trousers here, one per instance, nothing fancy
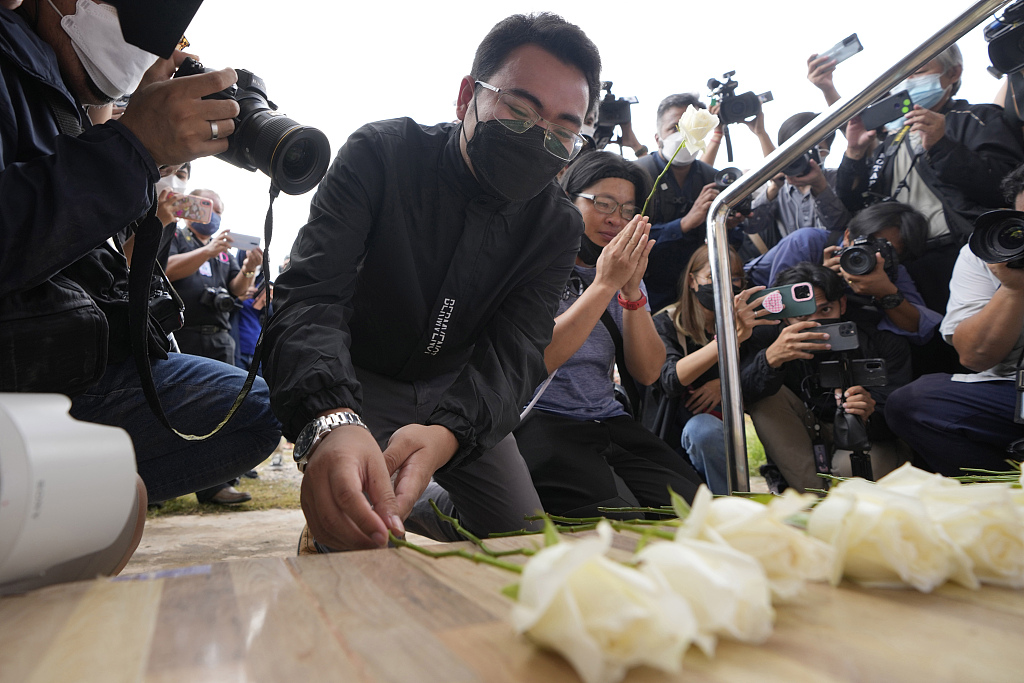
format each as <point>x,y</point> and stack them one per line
<point>572,463</point>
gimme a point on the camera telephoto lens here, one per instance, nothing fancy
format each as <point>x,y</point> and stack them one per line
<point>998,237</point>
<point>857,260</point>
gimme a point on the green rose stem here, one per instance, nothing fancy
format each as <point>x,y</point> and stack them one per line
<point>643,211</point>
<point>472,557</point>
<point>475,540</point>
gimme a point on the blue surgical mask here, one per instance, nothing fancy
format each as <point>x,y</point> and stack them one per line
<point>925,90</point>
<point>208,228</point>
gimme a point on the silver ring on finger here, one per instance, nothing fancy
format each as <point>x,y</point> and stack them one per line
<point>214,131</point>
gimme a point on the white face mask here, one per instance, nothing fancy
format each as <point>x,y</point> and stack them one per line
<point>685,157</point>
<point>115,66</point>
<point>172,183</point>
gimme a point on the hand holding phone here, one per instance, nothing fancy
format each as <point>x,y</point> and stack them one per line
<point>191,208</point>
<point>787,301</point>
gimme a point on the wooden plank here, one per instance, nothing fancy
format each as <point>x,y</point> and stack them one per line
<point>107,636</point>
<point>386,614</point>
<point>28,624</point>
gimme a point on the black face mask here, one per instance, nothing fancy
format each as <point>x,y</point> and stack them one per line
<point>706,295</point>
<point>589,251</point>
<point>511,166</point>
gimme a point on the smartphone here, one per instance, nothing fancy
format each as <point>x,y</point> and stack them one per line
<point>192,208</point>
<point>243,242</point>
<point>841,336</point>
<point>844,49</point>
<point>889,109</point>
<point>787,301</point>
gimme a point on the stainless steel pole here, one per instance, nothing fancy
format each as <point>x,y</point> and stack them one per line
<point>838,114</point>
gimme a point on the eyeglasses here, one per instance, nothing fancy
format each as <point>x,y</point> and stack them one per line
<point>518,116</point>
<point>605,204</point>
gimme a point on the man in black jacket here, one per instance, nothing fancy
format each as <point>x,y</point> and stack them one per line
<point>68,188</point>
<point>422,292</point>
<point>946,158</point>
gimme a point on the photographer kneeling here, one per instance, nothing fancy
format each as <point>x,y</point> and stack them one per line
<point>69,188</point>
<point>792,411</point>
<point>967,420</point>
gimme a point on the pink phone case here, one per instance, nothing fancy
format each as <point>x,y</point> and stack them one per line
<point>192,208</point>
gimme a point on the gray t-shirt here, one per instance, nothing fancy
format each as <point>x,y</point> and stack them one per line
<point>582,388</point>
<point>970,288</point>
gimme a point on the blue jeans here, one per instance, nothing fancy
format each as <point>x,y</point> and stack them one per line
<point>196,393</point>
<point>704,441</point>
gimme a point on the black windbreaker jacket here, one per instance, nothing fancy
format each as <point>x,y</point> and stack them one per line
<point>408,269</point>
<point>964,168</point>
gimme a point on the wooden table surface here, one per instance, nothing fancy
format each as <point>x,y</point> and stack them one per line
<point>395,616</point>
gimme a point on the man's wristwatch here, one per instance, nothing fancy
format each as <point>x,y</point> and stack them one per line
<point>890,301</point>
<point>313,433</point>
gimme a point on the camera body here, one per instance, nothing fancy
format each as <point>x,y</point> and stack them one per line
<point>859,257</point>
<point>802,165</point>
<point>217,298</point>
<point>295,157</point>
<point>998,237</point>
<point>735,108</point>
<point>166,311</point>
<point>725,178</point>
<point>612,111</point>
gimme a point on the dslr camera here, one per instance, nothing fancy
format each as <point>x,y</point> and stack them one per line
<point>295,157</point>
<point>998,237</point>
<point>859,257</point>
<point>725,178</point>
<point>802,164</point>
<point>167,312</point>
<point>735,108</point>
<point>217,298</point>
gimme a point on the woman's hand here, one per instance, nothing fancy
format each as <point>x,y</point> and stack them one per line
<point>747,318</point>
<point>617,265</point>
<point>706,397</point>
<point>857,401</point>
<point>631,290</point>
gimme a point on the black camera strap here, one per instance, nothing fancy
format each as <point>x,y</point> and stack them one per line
<point>140,277</point>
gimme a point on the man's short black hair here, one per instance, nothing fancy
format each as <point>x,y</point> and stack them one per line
<point>825,279</point>
<point>1013,184</point>
<point>912,224</point>
<point>549,31</point>
<point>681,100</point>
<point>794,123</point>
<point>596,166</point>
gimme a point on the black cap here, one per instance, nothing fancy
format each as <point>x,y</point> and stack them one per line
<point>156,26</point>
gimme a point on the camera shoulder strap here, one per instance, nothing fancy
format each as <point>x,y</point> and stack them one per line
<point>140,277</point>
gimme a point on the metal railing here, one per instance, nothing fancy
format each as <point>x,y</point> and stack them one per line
<point>830,120</point>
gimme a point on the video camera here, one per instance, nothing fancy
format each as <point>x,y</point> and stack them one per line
<point>613,111</point>
<point>802,164</point>
<point>859,257</point>
<point>1005,37</point>
<point>725,178</point>
<point>735,108</point>
<point>295,157</point>
<point>998,237</point>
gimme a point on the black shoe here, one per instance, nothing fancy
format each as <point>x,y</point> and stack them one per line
<point>229,495</point>
<point>252,474</point>
<point>773,478</point>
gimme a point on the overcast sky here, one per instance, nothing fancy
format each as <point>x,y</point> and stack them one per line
<point>336,66</point>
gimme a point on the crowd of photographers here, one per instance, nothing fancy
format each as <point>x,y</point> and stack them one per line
<point>440,337</point>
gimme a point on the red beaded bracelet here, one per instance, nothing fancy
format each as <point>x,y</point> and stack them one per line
<point>632,305</point>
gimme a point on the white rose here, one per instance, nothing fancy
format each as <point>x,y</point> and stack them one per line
<point>602,616</point>
<point>789,556</point>
<point>695,124</point>
<point>727,590</point>
<point>887,539</point>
